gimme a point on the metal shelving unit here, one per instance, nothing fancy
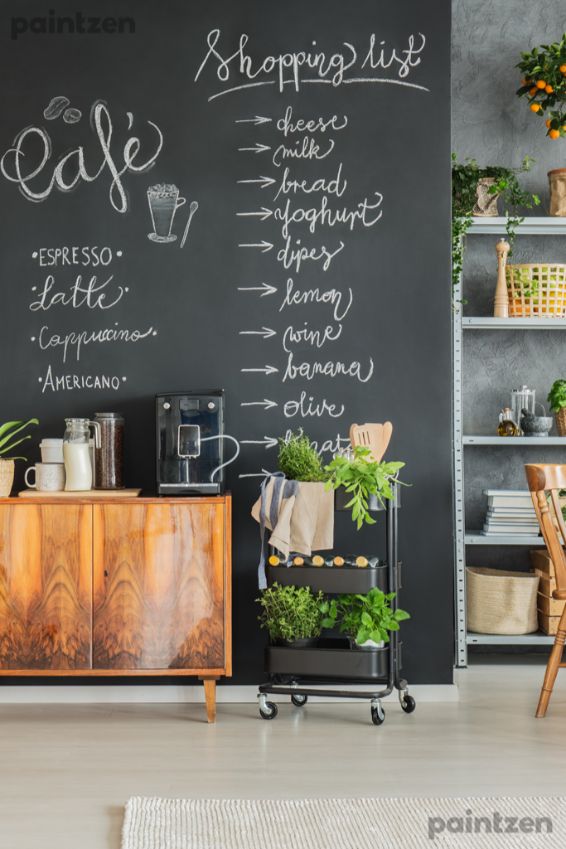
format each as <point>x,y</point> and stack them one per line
<point>490,226</point>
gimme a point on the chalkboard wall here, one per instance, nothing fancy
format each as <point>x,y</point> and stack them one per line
<point>313,284</point>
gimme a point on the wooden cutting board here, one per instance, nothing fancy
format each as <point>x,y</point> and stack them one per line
<point>91,493</point>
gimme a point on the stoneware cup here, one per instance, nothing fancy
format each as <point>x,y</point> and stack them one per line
<point>49,477</point>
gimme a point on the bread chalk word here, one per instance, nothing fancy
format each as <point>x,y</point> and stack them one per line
<point>92,294</point>
<point>335,186</point>
<point>338,300</point>
<point>29,161</point>
<point>92,256</point>
<point>75,340</point>
<point>331,368</point>
<point>307,407</point>
<point>71,382</point>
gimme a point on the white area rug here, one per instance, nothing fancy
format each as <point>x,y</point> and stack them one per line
<point>525,823</point>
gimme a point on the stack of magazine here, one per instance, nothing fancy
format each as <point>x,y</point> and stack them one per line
<point>510,512</point>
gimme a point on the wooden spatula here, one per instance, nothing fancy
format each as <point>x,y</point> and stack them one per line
<point>374,436</point>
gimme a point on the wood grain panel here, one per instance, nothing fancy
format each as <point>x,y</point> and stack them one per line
<point>45,586</point>
<point>159,586</point>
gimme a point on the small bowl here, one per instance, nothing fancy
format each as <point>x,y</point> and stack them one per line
<point>536,425</point>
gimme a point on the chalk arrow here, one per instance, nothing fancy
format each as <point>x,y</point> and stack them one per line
<point>261,474</point>
<point>266,332</point>
<point>265,370</point>
<point>264,246</point>
<point>257,148</point>
<point>264,181</point>
<point>268,441</point>
<point>264,288</point>
<point>266,403</point>
<point>262,213</point>
<point>257,120</point>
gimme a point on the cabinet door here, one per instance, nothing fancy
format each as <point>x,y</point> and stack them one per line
<point>45,586</point>
<point>159,586</point>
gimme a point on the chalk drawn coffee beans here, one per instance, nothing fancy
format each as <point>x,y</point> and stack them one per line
<point>71,115</point>
<point>55,108</point>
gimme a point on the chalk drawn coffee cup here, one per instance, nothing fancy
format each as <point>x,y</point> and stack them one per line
<point>164,201</point>
<point>49,477</point>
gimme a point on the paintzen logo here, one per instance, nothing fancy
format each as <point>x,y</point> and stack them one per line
<point>77,24</point>
<point>496,823</point>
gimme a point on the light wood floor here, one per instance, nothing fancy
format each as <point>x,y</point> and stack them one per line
<point>68,770</point>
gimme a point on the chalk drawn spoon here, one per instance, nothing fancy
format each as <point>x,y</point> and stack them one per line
<point>192,209</point>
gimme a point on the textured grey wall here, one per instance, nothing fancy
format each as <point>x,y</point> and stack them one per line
<point>490,124</point>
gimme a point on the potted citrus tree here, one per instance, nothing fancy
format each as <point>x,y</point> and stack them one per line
<point>10,437</point>
<point>543,86</point>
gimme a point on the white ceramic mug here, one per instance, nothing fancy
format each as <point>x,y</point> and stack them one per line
<point>49,477</point>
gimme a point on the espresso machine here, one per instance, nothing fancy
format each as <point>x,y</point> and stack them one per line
<point>190,443</point>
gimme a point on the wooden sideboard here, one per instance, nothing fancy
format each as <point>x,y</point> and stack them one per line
<point>116,587</point>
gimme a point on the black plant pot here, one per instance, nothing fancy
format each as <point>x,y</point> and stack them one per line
<point>302,643</point>
<point>341,498</point>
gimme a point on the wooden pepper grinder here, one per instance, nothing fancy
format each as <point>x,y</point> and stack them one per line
<point>501,302</point>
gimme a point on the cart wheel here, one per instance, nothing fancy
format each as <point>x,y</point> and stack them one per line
<point>408,703</point>
<point>299,700</point>
<point>377,713</point>
<point>268,710</point>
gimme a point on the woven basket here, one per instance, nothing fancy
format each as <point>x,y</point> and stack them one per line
<point>501,602</point>
<point>560,418</point>
<point>536,290</point>
<point>6,477</point>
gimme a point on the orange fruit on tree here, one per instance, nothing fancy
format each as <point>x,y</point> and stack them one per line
<point>548,89</point>
<point>563,69</point>
<point>541,84</point>
<point>548,122</point>
<point>554,134</point>
<point>533,91</point>
<point>535,107</point>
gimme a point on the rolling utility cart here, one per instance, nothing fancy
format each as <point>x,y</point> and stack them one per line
<point>291,670</point>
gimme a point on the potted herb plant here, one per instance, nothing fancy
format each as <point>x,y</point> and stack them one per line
<point>9,439</point>
<point>366,619</point>
<point>476,191</point>
<point>360,484</point>
<point>299,460</point>
<point>557,400</point>
<point>292,616</point>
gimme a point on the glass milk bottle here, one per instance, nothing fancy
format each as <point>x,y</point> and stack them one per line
<point>76,454</point>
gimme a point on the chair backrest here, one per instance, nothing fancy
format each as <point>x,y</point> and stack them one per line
<point>371,435</point>
<point>545,482</point>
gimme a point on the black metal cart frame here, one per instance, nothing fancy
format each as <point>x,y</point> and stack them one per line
<point>299,693</point>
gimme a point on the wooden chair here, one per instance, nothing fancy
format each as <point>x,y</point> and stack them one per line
<point>545,481</point>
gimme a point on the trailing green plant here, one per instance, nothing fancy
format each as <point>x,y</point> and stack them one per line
<point>362,477</point>
<point>557,396</point>
<point>9,438</point>
<point>364,617</point>
<point>290,613</point>
<point>465,178</point>
<point>298,458</point>
<point>544,84</point>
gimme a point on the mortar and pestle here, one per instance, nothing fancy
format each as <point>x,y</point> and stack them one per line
<point>533,425</point>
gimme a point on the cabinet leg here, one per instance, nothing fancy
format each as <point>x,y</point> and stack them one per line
<point>210,697</point>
